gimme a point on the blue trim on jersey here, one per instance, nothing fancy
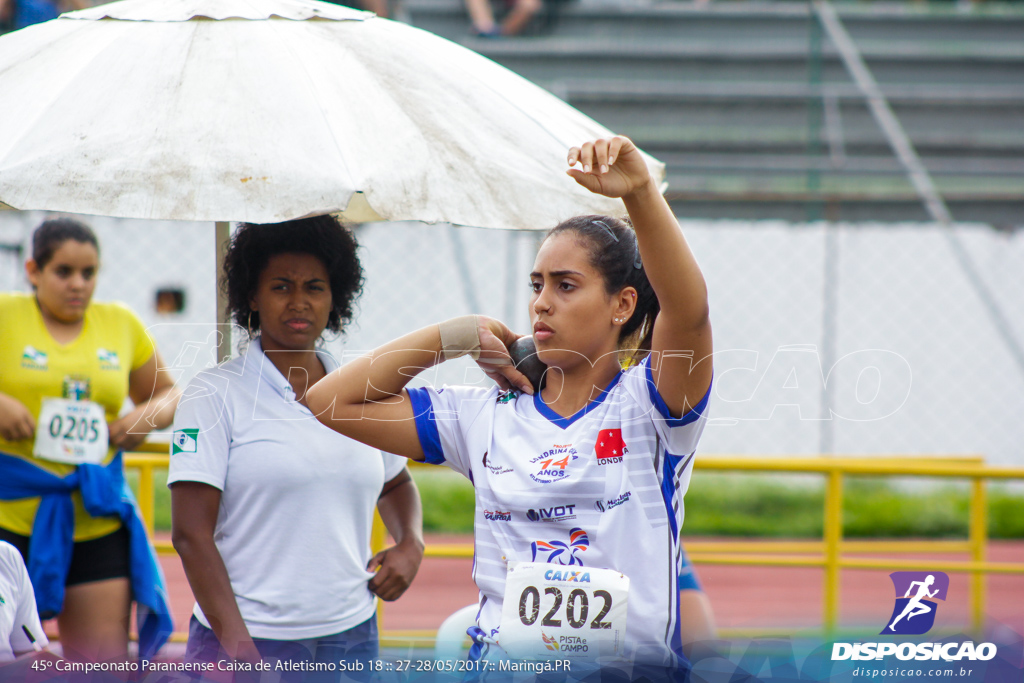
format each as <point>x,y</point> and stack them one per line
<point>668,486</point>
<point>564,422</point>
<point>426,427</point>
<point>677,638</point>
<point>659,402</point>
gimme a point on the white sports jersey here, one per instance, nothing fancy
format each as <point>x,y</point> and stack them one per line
<point>602,488</point>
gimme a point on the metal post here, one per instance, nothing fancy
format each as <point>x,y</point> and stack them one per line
<point>378,537</point>
<point>833,537</point>
<point>223,237</point>
<point>978,539</point>
<point>829,335</point>
<point>815,113</point>
<point>147,503</point>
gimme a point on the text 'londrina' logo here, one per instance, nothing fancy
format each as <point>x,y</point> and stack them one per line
<point>914,613</point>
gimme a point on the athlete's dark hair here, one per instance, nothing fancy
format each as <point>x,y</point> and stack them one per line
<point>613,250</point>
<point>50,234</point>
<point>253,245</point>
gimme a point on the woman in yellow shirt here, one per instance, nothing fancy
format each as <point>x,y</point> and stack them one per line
<point>66,367</point>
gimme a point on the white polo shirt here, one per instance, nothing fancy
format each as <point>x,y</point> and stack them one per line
<point>298,498</point>
<point>17,606</point>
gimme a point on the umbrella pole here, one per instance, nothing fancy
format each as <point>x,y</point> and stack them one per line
<point>223,236</point>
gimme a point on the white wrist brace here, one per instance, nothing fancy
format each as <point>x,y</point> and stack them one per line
<point>460,337</point>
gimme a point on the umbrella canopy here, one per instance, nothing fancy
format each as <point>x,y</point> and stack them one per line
<point>267,110</point>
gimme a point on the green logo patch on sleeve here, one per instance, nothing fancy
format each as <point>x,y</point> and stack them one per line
<point>184,441</point>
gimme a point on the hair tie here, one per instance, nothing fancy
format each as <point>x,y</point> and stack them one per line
<point>637,263</point>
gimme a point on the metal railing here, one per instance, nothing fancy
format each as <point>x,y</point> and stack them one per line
<point>832,556</point>
<point>832,553</point>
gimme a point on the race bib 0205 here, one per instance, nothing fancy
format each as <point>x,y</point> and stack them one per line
<point>71,432</point>
<point>553,611</point>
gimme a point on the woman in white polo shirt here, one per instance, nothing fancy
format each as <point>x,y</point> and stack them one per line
<point>272,511</point>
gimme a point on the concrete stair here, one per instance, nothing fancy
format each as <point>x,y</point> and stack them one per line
<point>754,122</point>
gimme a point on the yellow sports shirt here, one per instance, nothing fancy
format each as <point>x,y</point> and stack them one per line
<point>93,367</point>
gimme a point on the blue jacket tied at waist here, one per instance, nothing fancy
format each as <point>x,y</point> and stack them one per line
<point>104,494</point>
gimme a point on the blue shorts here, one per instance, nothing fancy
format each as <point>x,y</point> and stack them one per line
<point>356,646</point>
<point>688,580</point>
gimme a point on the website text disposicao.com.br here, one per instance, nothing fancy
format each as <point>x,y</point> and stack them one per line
<point>909,672</point>
<point>909,653</point>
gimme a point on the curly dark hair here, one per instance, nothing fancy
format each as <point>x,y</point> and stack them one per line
<point>253,245</point>
<point>614,252</point>
<point>51,234</point>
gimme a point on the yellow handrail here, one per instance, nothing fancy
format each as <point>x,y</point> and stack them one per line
<point>833,534</point>
<point>831,553</point>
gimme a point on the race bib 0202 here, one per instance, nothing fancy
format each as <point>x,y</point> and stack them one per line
<point>553,611</point>
<point>71,432</point>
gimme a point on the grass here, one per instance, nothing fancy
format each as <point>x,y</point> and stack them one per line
<point>873,507</point>
<point>448,501</point>
<point>744,505</point>
<point>749,505</point>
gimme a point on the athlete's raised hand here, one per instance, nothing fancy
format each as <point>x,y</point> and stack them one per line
<point>611,167</point>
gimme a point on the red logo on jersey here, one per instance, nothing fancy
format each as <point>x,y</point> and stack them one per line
<point>609,447</point>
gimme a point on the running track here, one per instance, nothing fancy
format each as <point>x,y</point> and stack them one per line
<point>745,598</point>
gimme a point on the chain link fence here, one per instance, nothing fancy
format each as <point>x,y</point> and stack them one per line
<point>829,338</point>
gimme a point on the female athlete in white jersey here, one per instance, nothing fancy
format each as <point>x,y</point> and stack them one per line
<point>579,487</point>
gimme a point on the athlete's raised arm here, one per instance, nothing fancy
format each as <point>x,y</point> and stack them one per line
<point>681,345</point>
<point>366,399</point>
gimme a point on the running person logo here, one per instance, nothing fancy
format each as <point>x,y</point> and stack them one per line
<point>914,613</point>
<point>560,552</point>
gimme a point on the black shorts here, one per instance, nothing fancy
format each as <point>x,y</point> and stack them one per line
<point>101,558</point>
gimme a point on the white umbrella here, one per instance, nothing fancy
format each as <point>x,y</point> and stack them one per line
<point>267,110</point>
